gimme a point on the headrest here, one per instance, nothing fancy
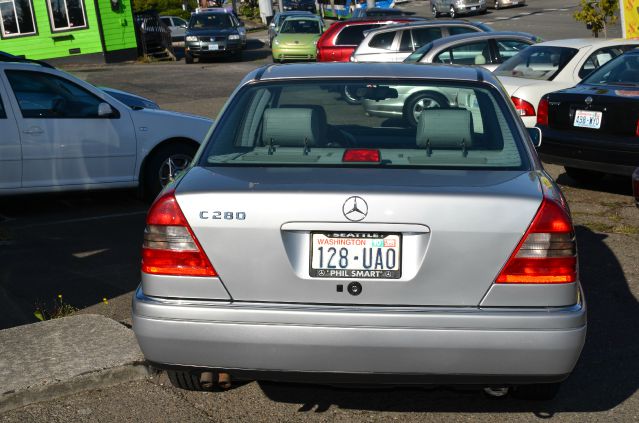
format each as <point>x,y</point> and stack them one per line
<point>289,127</point>
<point>445,128</point>
<point>480,59</point>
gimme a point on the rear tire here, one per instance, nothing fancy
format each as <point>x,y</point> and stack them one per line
<point>583,176</point>
<point>435,12</point>
<point>186,380</point>
<point>162,167</point>
<point>537,391</point>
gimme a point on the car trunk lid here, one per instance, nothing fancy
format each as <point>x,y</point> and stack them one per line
<point>456,229</point>
<point>615,107</point>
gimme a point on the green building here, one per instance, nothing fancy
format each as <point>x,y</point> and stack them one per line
<point>68,30</point>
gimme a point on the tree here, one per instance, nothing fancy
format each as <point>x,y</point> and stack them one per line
<point>597,15</point>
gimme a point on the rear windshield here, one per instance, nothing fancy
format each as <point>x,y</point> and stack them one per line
<point>624,70</point>
<point>537,62</point>
<point>352,35</point>
<point>382,124</point>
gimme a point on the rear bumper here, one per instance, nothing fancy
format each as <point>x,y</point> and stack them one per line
<point>476,8</point>
<point>602,153</point>
<point>465,345</point>
<point>507,3</point>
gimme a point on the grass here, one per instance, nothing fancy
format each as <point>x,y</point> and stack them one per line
<point>58,310</point>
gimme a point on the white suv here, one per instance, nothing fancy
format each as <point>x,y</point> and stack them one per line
<point>60,133</point>
<point>394,43</point>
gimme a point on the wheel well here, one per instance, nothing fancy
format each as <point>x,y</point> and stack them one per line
<point>163,144</point>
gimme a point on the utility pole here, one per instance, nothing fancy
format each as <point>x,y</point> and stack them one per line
<point>266,9</point>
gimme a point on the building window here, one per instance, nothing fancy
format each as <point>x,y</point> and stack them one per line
<point>17,18</point>
<point>66,14</point>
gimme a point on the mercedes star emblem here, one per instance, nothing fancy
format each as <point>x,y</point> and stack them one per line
<point>355,208</point>
<point>588,100</point>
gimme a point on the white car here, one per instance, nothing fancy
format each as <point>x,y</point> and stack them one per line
<point>60,133</point>
<point>554,65</point>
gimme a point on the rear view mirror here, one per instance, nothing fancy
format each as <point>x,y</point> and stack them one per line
<point>377,93</point>
<point>535,136</point>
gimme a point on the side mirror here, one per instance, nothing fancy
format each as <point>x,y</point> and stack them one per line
<point>105,110</point>
<point>535,136</point>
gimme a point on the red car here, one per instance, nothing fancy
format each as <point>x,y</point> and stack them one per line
<point>341,39</point>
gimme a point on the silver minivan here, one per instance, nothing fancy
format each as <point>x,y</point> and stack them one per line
<point>453,8</point>
<point>394,43</point>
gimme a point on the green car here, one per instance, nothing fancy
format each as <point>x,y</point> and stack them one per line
<point>297,39</point>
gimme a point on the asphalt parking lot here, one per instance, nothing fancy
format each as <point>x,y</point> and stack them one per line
<point>86,247</point>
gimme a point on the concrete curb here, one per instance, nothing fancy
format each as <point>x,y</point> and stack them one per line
<point>85,382</point>
<point>54,358</point>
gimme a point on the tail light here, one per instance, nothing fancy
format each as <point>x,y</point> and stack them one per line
<point>637,128</point>
<point>542,112</point>
<point>170,247</point>
<point>547,254</point>
<point>523,107</point>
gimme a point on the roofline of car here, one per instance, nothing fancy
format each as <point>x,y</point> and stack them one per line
<point>479,72</point>
<point>9,58</point>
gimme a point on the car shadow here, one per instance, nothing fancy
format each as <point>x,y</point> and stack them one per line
<point>83,246</point>
<point>606,375</point>
<point>614,184</point>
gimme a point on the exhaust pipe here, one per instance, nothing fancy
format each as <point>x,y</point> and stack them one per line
<point>224,380</point>
<point>208,380</point>
<point>496,391</point>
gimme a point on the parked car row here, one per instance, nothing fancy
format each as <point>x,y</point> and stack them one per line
<point>527,68</point>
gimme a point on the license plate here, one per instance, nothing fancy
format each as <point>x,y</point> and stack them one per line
<point>356,255</point>
<point>588,119</point>
<point>473,8</point>
<point>515,2</point>
<point>213,47</point>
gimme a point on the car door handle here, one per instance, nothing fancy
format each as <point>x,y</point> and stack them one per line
<point>34,130</point>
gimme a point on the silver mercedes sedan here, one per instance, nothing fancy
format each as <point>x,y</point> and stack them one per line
<point>312,242</point>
